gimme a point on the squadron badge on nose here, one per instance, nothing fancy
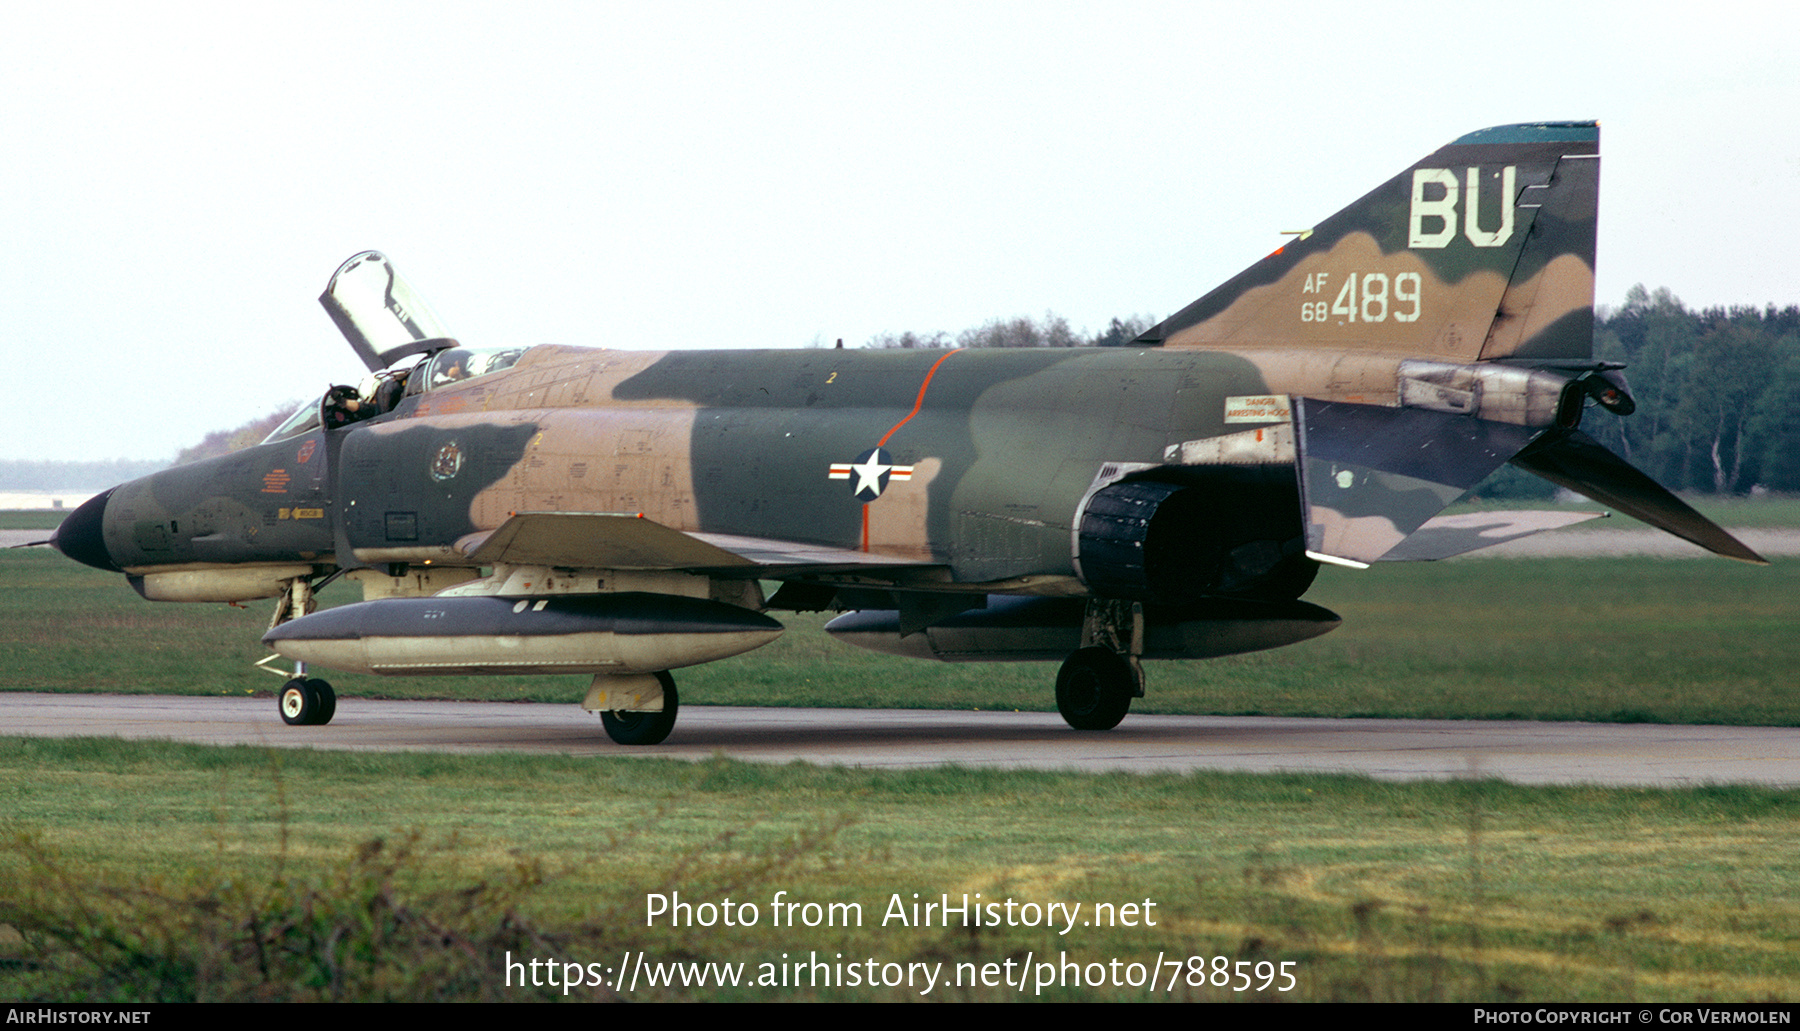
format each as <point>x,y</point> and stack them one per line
<point>872,470</point>
<point>447,462</point>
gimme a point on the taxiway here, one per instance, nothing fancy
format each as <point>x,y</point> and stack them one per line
<point>1638,754</point>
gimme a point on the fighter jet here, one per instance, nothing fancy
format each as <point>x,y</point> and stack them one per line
<point>559,509</point>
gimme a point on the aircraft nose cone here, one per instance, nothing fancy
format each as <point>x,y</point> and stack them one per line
<point>81,535</point>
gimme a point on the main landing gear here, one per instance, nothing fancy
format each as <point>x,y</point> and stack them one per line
<point>1096,684</point>
<point>636,727</point>
<point>1094,689</point>
<point>306,702</point>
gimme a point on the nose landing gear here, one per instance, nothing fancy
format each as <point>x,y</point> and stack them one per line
<point>307,702</point>
<point>304,701</point>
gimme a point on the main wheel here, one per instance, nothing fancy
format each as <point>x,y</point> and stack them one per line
<point>306,703</point>
<point>645,728</point>
<point>326,700</point>
<point>1093,689</point>
<point>297,703</point>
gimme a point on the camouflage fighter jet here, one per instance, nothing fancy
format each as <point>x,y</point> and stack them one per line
<point>570,510</point>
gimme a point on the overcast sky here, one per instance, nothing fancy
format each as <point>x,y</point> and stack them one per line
<point>180,180</point>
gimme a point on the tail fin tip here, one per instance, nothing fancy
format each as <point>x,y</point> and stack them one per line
<point>1533,132</point>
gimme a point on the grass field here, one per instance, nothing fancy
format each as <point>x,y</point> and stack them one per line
<point>143,860</point>
<point>1772,511</point>
<point>32,519</point>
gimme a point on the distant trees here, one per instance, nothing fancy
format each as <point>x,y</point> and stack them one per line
<point>1051,331</point>
<point>1120,332</point>
<point>223,442</point>
<point>910,341</point>
<point>91,476</point>
<point>1718,392</point>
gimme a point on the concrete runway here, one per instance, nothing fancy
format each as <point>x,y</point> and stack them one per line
<point>1526,753</point>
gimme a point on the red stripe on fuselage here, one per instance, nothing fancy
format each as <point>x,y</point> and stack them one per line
<point>920,403</point>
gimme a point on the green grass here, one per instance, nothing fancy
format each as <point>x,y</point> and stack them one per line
<point>1626,639</point>
<point>32,519</point>
<point>1457,891</point>
<point>1778,511</point>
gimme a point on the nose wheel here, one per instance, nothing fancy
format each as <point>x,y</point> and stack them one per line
<point>306,702</point>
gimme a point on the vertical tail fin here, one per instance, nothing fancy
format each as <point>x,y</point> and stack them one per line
<point>1482,251</point>
<point>1485,249</point>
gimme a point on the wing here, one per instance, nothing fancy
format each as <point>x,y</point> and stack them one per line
<point>599,540</point>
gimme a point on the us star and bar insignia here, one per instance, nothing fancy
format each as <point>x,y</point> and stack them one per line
<point>873,470</point>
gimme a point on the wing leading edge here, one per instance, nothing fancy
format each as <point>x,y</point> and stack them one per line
<point>630,541</point>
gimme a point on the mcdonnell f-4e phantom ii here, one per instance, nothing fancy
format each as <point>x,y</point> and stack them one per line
<point>569,510</point>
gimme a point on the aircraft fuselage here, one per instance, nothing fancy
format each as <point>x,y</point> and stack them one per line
<point>975,461</point>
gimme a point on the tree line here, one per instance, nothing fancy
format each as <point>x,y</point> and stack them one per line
<point>1052,331</point>
<point>1717,389</point>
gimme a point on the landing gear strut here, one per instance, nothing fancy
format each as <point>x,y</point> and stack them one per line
<point>1096,684</point>
<point>304,701</point>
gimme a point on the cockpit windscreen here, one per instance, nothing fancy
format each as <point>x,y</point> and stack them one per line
<point>465,363</point>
